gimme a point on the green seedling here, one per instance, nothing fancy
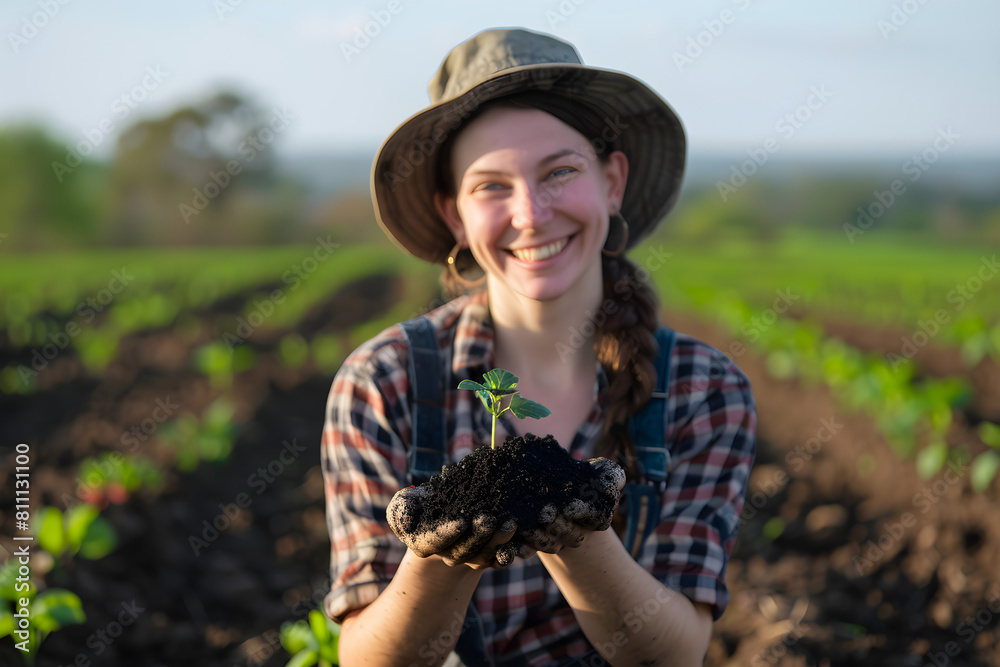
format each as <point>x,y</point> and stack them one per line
<point>34,614</point>
<point>210,438</point>
<point>113,477</point>
<point>313,642</point>
<point>79,531</point>
<point>499,395</point>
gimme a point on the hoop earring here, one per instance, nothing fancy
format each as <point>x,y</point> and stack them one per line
<point>453,270</point>
<point>621,245</point>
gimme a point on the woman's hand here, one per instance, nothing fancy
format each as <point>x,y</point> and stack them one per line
<point>480,543</point>
<point>557,530</point>
<point>493,541</point>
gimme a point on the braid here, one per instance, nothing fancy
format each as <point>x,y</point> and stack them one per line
<point>626,347</point>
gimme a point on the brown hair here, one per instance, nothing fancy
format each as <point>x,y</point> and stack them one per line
<point>625,341</point>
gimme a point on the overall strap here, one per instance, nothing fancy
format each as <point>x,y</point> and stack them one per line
<point>427,454</point>
<point>648,432</point>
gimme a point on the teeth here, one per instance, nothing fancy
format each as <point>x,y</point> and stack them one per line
<point>540,252</point>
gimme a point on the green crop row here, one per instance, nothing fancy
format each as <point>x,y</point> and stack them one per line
<point>939,294</point>
<point>913,413</point>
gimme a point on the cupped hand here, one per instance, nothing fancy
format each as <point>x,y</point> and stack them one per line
<point>483,542</point>
<point>566,527</point>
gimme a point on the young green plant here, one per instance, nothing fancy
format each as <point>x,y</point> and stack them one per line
<point>499,395</point>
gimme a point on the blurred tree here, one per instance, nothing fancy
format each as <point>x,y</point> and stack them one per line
<point>197,174</point>
<point>350,216</point>
<point>706,218</point>
<point>41,206</point>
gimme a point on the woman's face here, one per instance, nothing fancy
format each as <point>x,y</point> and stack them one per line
<point>532,202</point>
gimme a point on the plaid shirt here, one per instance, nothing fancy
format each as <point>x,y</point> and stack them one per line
<point>710,426</point>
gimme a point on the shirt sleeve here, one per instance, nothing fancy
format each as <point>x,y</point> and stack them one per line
<point>363,459</point>
<point>712,436</point>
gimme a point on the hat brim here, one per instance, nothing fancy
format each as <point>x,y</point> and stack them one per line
<point>638,120</point>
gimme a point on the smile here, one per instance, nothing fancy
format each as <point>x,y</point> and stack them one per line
<point>541,252</point>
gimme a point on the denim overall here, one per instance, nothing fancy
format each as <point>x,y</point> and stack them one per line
<point>428,455</point>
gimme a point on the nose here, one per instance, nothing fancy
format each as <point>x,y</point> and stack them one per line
<point>531,207</point>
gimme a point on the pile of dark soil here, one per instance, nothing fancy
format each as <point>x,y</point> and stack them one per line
<point>528,479</point>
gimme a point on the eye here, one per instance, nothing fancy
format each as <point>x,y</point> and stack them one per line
<point>562,171</point>
<point>488,187</point>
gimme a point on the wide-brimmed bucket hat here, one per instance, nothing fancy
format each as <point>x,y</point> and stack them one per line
<point>502,62</point>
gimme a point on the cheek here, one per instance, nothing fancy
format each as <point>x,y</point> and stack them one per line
<point>585,197</point>
<point>483,220</point>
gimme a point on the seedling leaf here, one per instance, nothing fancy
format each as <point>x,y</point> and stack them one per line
<point>773,529</point>
<point>473,386</point>
<point>77,520</point>
<point>931,459</point>
<point>295,636</point>
<point>523,408</point>
<point>500,383</point>
<point>984,470</point>
<point>51,536</point>
<point>99,540</point>
<point>55,608</point>
<point>303,659</point>
<point>6,622</point>
<point>487,398</point>
<point>990,434</point>
<point>318,624</point>
<point>498,378</point>
<point>8,583</point>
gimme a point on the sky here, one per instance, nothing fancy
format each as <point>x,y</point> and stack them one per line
<point>821,78</point>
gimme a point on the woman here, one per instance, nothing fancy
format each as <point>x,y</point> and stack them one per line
<point>541,171</point>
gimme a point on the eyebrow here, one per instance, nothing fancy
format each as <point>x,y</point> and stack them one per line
<point>561,154</point>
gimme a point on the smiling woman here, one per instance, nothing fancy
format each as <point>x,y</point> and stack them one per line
<point>539,173</point>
